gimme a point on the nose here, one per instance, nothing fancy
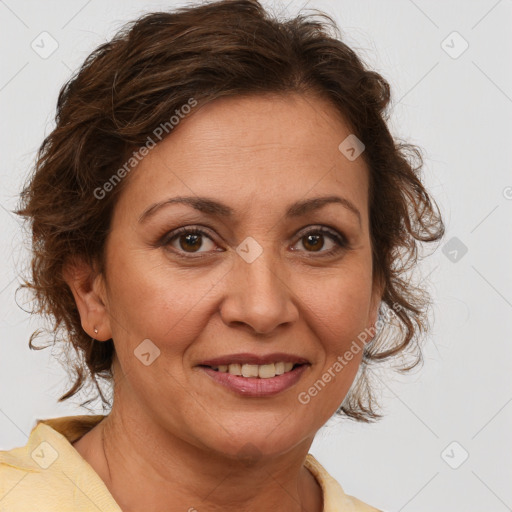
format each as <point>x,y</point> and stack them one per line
<point>259,295</point>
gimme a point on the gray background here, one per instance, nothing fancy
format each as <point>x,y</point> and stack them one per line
<point>458,108</point>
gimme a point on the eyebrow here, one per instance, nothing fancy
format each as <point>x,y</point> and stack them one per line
<point>214,208</point>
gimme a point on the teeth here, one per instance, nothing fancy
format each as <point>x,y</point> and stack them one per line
<point>264,371</point>
<point>249,370</point>
<point>234,369</point>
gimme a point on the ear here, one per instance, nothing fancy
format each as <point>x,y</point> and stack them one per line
<point>89,291</point>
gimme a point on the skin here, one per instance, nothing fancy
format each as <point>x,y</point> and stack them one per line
<point>175,439</point>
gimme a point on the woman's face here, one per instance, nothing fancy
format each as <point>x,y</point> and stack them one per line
<point>258,281</point>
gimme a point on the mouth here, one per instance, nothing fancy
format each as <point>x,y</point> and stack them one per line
<point>255,371</point>
<point>255,375</point>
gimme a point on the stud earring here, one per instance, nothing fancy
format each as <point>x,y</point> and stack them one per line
<point>95,331</point>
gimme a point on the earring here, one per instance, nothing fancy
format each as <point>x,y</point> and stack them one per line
<point>95,331</point>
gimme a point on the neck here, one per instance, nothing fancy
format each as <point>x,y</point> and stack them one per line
<point>147,468</point>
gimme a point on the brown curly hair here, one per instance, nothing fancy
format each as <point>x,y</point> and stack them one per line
<point>128,86</point>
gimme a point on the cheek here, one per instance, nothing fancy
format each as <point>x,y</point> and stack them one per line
<point>338,306</point>
<point>338,313</point>
<point>152,301</point>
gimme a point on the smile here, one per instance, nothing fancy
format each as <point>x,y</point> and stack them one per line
<point>250,380</point>
<point>263,371</point>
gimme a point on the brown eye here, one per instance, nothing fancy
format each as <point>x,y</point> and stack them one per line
<point>187,240</point>
<point>190,241</point>
<point>314,241</point>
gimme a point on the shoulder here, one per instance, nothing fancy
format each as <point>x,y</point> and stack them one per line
<point>48,474</point>
<point>335,498</point>
<point>363,507</point>
<point>22,477</point>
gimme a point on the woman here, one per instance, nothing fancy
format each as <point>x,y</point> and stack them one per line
<point>219,217</point>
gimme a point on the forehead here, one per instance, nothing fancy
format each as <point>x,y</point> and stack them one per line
<point>254,151</point>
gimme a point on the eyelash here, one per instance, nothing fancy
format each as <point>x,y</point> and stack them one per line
<point>338,239</point>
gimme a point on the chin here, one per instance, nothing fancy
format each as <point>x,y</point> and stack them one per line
<point>256,442</point>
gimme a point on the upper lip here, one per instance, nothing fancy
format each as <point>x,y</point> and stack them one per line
<point>246,358</point>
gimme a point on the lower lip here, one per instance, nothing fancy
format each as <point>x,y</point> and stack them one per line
<point>254,386</point>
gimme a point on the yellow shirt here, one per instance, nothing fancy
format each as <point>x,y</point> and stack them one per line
<point>49,475</point>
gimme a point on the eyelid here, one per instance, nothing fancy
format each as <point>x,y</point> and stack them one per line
<point>324,229</point>
<point>340,240</point>
<point>336,236</point>
<point>171,235</point>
